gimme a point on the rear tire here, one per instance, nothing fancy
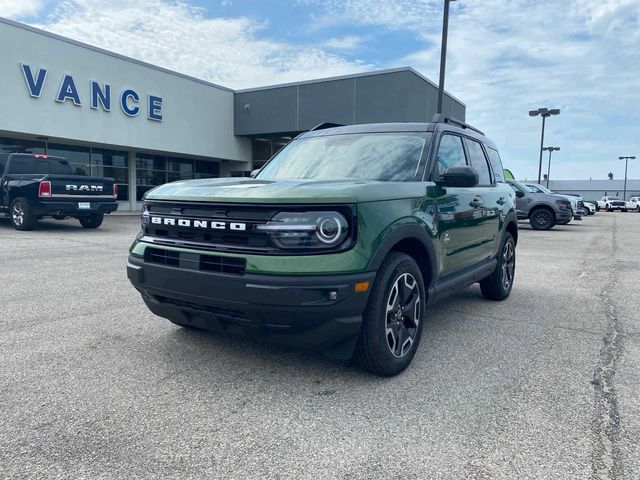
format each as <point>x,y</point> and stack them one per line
<point>624,210</point>
<point>21,215</point>
<point>393,320</point>
<point>498,285</point>
<point>542,219</point>
<point>92,221</point>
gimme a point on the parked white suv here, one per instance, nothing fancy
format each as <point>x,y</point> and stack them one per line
<point>634,204</point>
<point>612,203</point>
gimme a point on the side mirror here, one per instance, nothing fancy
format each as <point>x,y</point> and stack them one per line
<point>254,173</point>
<point>460,176</point>
<point>519,194</point>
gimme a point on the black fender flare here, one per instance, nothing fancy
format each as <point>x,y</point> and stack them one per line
<point>404,232</point>
<point>510,218</point>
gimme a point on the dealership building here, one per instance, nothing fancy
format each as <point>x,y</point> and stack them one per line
<point>144,125</point>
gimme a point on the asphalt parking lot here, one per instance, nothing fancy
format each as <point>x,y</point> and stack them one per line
<point>544,385</point>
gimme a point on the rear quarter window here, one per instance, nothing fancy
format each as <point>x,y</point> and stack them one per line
<point>496,164</point>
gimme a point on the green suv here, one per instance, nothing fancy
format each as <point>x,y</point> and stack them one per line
<point>338,244</point>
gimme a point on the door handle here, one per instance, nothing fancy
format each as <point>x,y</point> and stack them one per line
<point>476,203</point>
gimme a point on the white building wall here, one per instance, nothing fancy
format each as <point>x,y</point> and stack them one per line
<point>197,117</point>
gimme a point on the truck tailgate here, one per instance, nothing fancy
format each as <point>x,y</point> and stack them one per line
<point>76,187</point>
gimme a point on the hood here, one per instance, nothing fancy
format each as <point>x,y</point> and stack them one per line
<point>250,190</point>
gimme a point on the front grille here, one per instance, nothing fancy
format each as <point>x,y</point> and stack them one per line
<point>189,234</point>
<point>221,227</point>
<point>194,261</point>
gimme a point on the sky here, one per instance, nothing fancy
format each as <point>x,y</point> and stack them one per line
<point>505,57</point>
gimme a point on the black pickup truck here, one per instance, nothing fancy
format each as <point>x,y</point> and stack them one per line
<point>37,186</point>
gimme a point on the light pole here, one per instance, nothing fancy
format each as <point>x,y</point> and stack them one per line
<point>544,113</point>
<point>443,52</point>
<point>626,164</point>
<point>550,149</point>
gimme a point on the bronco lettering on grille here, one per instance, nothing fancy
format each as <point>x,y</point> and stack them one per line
<point>207,224</point>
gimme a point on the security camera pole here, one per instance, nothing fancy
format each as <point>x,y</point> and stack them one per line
<point>626,164</point>
<point>443,52</point>
<point>544,113</point>
<point>550,149</point>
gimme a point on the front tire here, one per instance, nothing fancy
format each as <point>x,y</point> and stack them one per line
<point>92,221</point>
<point>624,210</point>
<point>394,317</point>
<point>498,285</point>
<point>21,215</point>
<point>542,219</point>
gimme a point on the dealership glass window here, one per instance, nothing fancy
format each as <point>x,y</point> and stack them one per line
<point>151,171</point>
<point>179,169</point>
<point>78,157</point>
<point>114,164</point>
<point>207,169</point>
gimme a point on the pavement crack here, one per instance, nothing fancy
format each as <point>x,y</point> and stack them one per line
<point>606,461</point>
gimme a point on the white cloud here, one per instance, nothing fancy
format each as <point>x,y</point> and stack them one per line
<point>19,8</point>
<point>346,43</point>
<point>175,35</point>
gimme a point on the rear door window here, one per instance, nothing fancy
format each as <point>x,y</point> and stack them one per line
<point>479,162</point>
<point>450,153</point>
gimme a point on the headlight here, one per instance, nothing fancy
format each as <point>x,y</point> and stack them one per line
<point>144,218</point>
<point>307,230</point>
<point>563,204</point>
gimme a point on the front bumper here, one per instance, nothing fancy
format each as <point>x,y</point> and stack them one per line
<point>294,310</point>
<point>71,209</point>
<point>563,216</point>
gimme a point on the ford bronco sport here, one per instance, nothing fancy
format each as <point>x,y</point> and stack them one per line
<point>340,242</point>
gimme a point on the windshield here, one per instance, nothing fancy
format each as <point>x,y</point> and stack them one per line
<point>392,157</point>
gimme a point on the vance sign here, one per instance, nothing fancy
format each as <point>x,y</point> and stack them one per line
<point>100,94</point>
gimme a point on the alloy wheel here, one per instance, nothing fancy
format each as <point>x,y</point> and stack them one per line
<point>542,218</point>
<point>403,315</point>
<point>508,265</point>
<point>17,214</point>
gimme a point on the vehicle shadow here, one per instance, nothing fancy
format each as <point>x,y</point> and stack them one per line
<point>221,354</point>
<point>46,225</point>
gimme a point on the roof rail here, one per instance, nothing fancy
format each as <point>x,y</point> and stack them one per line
<point>442,118</point>
<point>324,125</point>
